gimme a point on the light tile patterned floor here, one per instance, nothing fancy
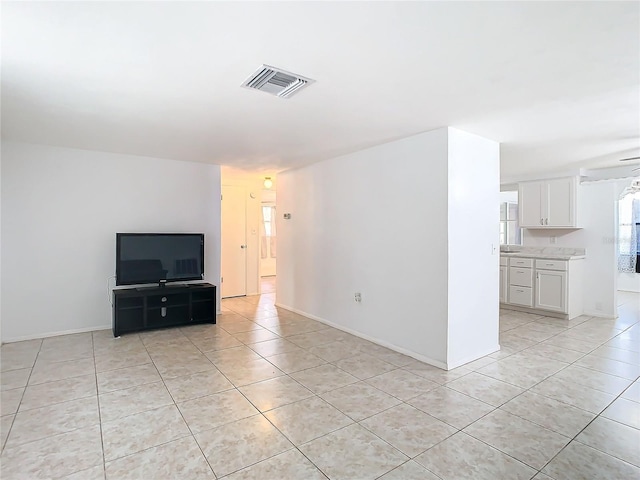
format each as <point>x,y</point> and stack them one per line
<point>268,394</point>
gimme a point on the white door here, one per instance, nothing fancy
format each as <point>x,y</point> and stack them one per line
<point>530,201</point>
<point>234,242</point>
<point>551,290</point>
<point>559,197</point>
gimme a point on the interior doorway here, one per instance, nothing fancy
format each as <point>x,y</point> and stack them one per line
<point>628,251</point>
<point>268,234</point>
<point>234,241</point>
<point>268,285</point>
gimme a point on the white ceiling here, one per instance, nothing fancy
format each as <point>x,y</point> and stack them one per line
<point>556,82</point>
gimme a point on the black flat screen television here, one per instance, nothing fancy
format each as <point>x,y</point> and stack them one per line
<point>159,257</point>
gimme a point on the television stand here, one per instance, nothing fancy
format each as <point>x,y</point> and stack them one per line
<point>146,308</point>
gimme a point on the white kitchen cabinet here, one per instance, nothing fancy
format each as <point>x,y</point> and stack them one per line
<point>522,296</point>
<point>551,290</point>
<point>521,282</point>
<point>546,286</point>
<point>504,285</point>
<point>548,203</point>
<point>530,204</point>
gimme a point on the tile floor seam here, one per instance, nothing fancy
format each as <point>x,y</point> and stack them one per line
<point>574,438</point>
<point>342,428</point>
<point>481,441</point>
<point>411,457</point>
<point>179,412</point>
<point>15,414</point>
<point>294,445</point>
<point>533,386</point>
<point>130,454</point>
<point>104,461</point>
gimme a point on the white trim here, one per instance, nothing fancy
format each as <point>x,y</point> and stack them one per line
<point>377,341</point>
<point>473,358</point>
<point>536,311</point>
<point>56,334</point>
<point>599,315</point>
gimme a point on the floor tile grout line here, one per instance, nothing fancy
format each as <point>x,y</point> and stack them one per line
<point>104,460</point>
<point>175,404</point>
<point>596,415</point>
<point>15,414</point>
<point>574,439</point>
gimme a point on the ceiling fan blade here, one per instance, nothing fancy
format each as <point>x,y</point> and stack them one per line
<point>629,159</point>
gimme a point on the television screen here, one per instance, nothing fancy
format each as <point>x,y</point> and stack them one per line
<point>159,257</point>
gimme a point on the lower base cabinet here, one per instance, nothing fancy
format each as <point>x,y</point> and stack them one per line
<point>552,286</point>
<point>551,290</point>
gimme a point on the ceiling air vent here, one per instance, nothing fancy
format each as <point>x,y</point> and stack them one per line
<point>276,82</point>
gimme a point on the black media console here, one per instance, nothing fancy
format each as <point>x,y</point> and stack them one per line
<point>136,309</point>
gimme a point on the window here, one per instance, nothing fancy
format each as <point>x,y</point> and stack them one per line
<point>268,233</point>
<point>510,232</point>
<point>629,232</point>
<point>266,216</point>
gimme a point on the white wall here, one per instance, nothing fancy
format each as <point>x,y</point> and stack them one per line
<point>598,216</point>
<point>509,196</point>
<point>629,282</point>
<point>61,209</point>
<point>377,222</point>
<point>474,210</point>
<point>0,247</point>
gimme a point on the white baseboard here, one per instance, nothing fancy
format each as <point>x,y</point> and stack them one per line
<point>473,358</point>
<point>377,341</point>
<point>600,315</point>
<point>56,334</point>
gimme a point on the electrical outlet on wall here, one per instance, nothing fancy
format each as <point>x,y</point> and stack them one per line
<point>552,239</point>
<point>358,297</point>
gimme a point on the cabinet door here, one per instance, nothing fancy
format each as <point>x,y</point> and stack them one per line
<point>559,203</point>
<point>551,290</point>
<point>530,201</point>
<point>504,284</point>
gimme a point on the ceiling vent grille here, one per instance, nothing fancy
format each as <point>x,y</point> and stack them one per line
<point>276,81</point>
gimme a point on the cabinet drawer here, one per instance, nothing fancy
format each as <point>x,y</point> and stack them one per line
<point>522,277</point>
<point>504,261</point>
<point>521,296</point>
<point>552,265</point>
<point>521,262</point>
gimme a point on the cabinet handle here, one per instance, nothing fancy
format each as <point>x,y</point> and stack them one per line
<point>520,291</point>
<point>549,264</point>
<point>546,221</point>
<point>542,221</point>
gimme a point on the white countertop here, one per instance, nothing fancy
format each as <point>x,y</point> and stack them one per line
<point>549,253</point>
<point>548,256</point>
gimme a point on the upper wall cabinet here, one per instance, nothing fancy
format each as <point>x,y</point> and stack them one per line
<point>548,203</point>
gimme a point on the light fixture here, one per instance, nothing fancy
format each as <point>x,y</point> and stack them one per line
<point>268,183</point>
